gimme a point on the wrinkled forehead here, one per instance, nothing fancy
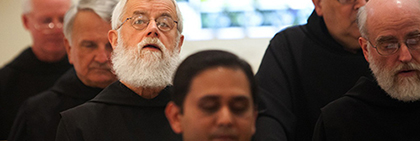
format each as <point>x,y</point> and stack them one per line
<point>150,8</point>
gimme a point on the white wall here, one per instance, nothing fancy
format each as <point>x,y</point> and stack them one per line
<point>14,38</point>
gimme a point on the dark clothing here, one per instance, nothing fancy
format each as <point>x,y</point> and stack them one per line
<point>38,117</point>
<point>303,69</point>
<point>22,78</point>
<point>118,114</point>
<point>367,113</point>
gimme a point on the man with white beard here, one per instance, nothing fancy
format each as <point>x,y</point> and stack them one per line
<point>146,39</point>
<point>388,107</point>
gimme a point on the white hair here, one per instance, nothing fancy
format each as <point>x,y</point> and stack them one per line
<point>119,11</point>
<point>403,89</point>
<point>361,21</point>
<point>103,8</point>
<point>27,6</point>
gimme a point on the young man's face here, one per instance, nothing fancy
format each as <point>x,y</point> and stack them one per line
<point>218,106</point>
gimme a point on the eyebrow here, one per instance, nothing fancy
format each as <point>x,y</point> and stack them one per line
<point>385,38</point>
<point>209,97</point>
<point>388,38</point>
<point>139,13</point>
<point>240,98</point>
<point>413,33</point>
<point>145,13</point>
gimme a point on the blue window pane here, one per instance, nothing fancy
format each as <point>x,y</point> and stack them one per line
<point>235,19</point>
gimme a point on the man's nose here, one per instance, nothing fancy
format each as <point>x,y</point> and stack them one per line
<point>152,29</point>
<point>224,117</point>
<point>359,3</point>
<point>404,54</point>
<point>56,26</point>
<point>102,55</point>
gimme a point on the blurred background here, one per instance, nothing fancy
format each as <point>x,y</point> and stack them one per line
<point>243,27</point>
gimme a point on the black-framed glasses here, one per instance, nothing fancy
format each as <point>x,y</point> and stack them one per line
<point>386,48</point>
<point>348,1</point>
<point>139,22</point>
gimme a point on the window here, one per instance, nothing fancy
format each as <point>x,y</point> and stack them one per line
<point>236,19</point>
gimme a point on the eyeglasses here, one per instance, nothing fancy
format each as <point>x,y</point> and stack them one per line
<point>390,47</point>
<point>48,28</point>
<point>348,1</point>
<point>139,22</point>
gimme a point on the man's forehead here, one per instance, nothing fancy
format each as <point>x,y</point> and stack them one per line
<point>148,7</point>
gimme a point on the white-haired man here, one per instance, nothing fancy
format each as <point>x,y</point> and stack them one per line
<point>146,38</point>
<point>86,27</point>
<point>384,108</point>
<point>38,67</point>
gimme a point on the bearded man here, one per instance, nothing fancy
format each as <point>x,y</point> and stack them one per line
<point>146,51</point>
<point>385,108</point>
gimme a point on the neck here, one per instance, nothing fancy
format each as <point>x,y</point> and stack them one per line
<point>349,44</point>
<point>147,93</point>
<point>48,57</point>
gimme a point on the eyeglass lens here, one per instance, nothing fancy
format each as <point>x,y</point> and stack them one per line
<point>164,23</point>
<point>390,47</point>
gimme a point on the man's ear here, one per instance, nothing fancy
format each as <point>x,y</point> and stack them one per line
<point>25,21</point>
<point>181,42</point>
<point>113,38</point>
<point>173,114</point>
<point>318,7</point>
<point>363,44</point>
<point>68,50</point>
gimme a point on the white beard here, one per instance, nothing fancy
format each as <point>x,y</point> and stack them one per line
<point>145,68</point>
<point>403,89</point>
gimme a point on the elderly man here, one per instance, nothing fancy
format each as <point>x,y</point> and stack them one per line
<point>86,29</point>
<point>38,67</point>
<point>146,38</point>
<point>306,67</point>
<point>385,107</point>
<point>214,98</point>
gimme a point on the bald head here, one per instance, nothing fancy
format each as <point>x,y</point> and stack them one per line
<point>376,12</point>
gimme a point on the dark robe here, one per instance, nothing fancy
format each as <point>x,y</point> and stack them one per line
<point>22,78</point>
<point>38,117</point>
<point>118,114</point>
<point>303,69</point>
<point>367,113</point>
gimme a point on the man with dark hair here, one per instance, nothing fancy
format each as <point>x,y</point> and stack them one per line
<point>214,98</point>
<point>86,27</point>
<point>146,39</point>
<point>386,107</point>
<point>307,66</point>
<point>38,67</point>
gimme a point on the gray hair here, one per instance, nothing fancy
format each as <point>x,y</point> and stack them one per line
<point>361,21</point>
<point>119,11</point>
<point>103,8</point>
<point>27,6</point>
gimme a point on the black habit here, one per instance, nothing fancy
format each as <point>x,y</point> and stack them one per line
<point>22,78</point>
<point>303,69</point>
<point>118,113</point>
<point>367,113</point>
<point>38,117</point>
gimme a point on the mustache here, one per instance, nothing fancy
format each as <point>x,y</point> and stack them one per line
<point>151,42</point>
<point>406,66</point>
